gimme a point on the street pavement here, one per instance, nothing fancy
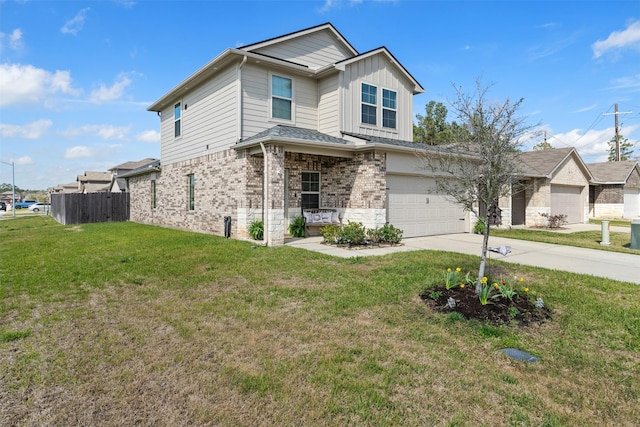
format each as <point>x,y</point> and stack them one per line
<point>612,265</point>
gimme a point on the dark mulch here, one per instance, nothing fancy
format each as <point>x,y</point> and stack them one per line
<point>519,311</point>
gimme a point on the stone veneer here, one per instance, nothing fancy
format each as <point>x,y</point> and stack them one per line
<point>229,183</point>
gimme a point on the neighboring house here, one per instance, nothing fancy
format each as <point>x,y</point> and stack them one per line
<point>615,190</point>
<point>554,181</point>
<point>118,183</point>
<point>94,182</point>
<point>72,187</point>
<point>295,122</point>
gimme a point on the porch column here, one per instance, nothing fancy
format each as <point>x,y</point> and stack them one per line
<point>274,196</point>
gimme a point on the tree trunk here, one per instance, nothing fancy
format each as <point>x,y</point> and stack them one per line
<point>483,257</point>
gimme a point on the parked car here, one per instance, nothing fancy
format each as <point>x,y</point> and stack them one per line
<point>36,207</point>
<point>3,206</point>
<point>24,204</point>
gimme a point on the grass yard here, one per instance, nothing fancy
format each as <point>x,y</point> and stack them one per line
<point>619,242</point>
<point>126,324</point>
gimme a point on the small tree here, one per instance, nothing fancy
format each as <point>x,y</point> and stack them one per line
<point>484,167</point>
<point>626,149</point>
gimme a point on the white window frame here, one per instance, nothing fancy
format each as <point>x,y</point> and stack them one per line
<point>395,110</point>
<point>362,103</point>
<point>272,96</point>
<point>302,191</point>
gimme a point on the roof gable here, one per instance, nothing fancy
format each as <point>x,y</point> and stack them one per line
<point>613,172</point>
<point>546,163</point>
<point>315,46</point>
<point>417,88</point>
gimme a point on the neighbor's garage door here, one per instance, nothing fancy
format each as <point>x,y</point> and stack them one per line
<point>631,203</point>
<point>567,200</point>
<point>415,208</point>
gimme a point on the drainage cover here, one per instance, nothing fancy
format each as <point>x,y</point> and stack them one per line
<point>514,353</point>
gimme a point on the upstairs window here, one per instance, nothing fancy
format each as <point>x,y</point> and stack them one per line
<point>389,108</point>
<point>177,116</point>
<point>281,97</point>
<point>369,104</point>
<point>310,190</point>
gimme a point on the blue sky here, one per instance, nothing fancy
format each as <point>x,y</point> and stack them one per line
<point>76,77</point>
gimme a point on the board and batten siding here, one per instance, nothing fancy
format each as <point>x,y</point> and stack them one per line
<point>378,71</point>
<point>256,116</point>
<point>313,50</point>
<point>208,123</point>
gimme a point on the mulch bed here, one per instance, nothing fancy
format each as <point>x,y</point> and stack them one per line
<point>498,312</point>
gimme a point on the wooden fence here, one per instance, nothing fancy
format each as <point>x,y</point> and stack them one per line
<point>76,208</point>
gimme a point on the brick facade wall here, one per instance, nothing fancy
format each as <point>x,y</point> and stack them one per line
<point>229,183</point>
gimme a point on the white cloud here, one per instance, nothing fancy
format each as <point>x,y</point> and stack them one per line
<point>102,131</point>
<point>14,39</point>
<point>75,24</point>
<point>591,145</point>
<point>105,94</point>
<point>588,108</point>
<point>21,84</point>
<point>618,40</point>
<point>631,82</point>
<point>149,136</point>
<point>79,151</point>
<point>24,160</point>
<point>33,130</point>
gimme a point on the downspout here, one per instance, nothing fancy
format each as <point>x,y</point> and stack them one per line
<point>265,195</point>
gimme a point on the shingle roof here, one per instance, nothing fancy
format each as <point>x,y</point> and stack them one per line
<point>543,162</point>
<point>290,132</point>
<point>131,165</point>
<point>144,169</point>
<point>612,172</point>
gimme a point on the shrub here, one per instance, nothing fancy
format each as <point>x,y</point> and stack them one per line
<point>478,228</point>
<point>390,234</point>
<point>256,230</point>
<point>353,234</point>
<point>331,233</point>
<point>296,227</point>
<point>555,221</point>
<point>374,235</point>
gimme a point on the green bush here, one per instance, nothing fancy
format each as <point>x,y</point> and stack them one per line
<point>390,234</point>
<point>478,228</point>
<point>296,227</point>
<point>353,234</point>
<point>256,230</point>
<point>331,233</point>
<point>374,235</point>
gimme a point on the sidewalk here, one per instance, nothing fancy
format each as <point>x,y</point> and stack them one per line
<point>612,265</point>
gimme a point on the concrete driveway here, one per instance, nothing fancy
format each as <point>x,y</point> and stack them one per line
<point>611,265</point>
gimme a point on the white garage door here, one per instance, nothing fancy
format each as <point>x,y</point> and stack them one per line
<point>415,208</point>
<point>631,203</point>
<point>567,200</point>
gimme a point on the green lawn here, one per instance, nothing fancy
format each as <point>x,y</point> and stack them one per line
<point>127,324</point>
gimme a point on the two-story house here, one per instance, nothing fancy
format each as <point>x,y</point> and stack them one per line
<point>298,121</point>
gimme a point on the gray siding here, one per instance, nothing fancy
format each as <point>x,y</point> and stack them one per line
<point>208,122</point>
<point>329,106</point>
<point>313,50</point>
<point>378,71</point>
<point>256,116</point>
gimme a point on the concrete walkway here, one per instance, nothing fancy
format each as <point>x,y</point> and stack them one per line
<point>612,265</point>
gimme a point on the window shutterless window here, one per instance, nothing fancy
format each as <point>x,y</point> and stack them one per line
<point>177,117</point>
<point>389,102</point>
<point>191,183</point>
<point>153,194</point>
<point>281,97</point>
<point>369,104</point>
<point>310,190</point>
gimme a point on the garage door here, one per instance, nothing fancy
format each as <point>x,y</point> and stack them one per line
<point>415,208</point>
<point>631,203</point>
<point>567,200</point>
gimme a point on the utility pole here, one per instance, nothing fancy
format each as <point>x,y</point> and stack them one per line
<point>617,129</point>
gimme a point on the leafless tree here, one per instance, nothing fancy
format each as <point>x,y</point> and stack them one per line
<point>478,169</point>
